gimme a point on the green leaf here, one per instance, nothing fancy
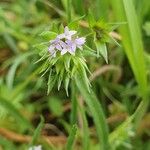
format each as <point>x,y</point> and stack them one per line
<point>121,133</point>
<point>91,19</point>
<point>61,28</point>
<point>60,78</point>
<point>67,62</point>
<point>75,23</point>
<point>55,104</point>
<point>67,80</point>
<point>101,9</point>
<point>11,73</point>
<point>83,75</point>
<point>11,42</point>
<point>51,81</point>
<point>71,138</point>
<point>85,134</point>
<point>48,35</point>
<point>37,132</point>
<point>6,144</point>
<point>74,104</point>
<point>79,6</point>
<point>146,27</point>
<point>133,46</point>
<point>69,10</point>
<point>15,113</point>
<point>96,110</point>
<point>89,52</point>
<point>18,89</point>
<point>102,49</point>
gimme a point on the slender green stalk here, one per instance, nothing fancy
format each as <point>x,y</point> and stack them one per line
<point>37,132</point>
<point>71,138</point>
<point>102,8</point>
<point>69,10</point>
<point>85,134</point>
<point>96,110</point>
<point>79,6</point>
<point>73,117</point>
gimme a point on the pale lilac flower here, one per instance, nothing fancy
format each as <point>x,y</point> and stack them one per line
<point>39,147</point>
<point>66,43</point>
<point>67,34</point>
<point>79,42</point>
<point>71,46</point>
<point>55,45</point>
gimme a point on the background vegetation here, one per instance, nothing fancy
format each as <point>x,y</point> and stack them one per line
<point>28,116</point>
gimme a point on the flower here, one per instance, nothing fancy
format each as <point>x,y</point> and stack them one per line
<point>39,147</point>
<point>67,34</point>
<point>55,45</point>
<point>79,42</point>
<point>66,42</point>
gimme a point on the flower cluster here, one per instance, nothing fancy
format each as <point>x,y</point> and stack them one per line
<point>66,42</point>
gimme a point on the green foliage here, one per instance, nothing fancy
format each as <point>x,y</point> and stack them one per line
<point>102,49</point>
<point>48,35</point>
<point>133,48</point>
<point>16,114</point>
<point>55,105</point>
<point>146,27</point>
<point>96,110</point>
<point>37,132</point>
<point>121,135</point>
<point>71,138</point>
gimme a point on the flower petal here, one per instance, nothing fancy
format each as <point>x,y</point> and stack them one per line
<point>73,47</point>
<point>72,32</point>
<point>64,51</point>
<point>66,30</point>
<point>58,47</point>
<point>80,41</point>
<point>51,48</point>
<point>61,36</point>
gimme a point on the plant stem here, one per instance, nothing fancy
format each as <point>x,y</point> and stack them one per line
<point>97,112</point>
<point>140,111</point>
<point>85,134</point>
<point>73,117</point>
<point>69,10</point>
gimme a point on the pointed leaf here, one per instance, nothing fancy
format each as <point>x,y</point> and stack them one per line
<point>71,138</point>
<point>51,81</point>
<point>37,132</point>
<point>91,19</point>
<point>48,35</point>
<point>60,78</point>
<point>67,79</point>
<point>102,49</point>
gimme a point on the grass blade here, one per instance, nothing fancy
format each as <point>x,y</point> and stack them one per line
<point>73,117</point>
<point>71,138</point>
<point>96,110</point>
<point>69,10</point>
<point>131,39</point>
<point>15,113</point>
<point>86,134</point>
<point>37,132</point>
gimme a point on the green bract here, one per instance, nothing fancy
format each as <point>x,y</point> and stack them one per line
<point>101,31</point>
